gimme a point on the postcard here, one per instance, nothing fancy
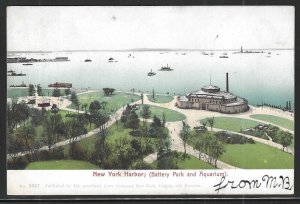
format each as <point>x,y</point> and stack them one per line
<point>156,100</point>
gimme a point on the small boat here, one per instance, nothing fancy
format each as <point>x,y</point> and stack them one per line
<point>167,68</point>
<point>277,54</point>
<point>151,73</point>
<point>27,64</point>
<point>224,56</point>
<point>269,53</point>
<point>87,60</point>
<point>204,53</point>
<point>15,74</point>
<point>116,60</point>
<point>183,53</point>
<point>268,56</point>
<point>111,59</point>
<point>10,71</point>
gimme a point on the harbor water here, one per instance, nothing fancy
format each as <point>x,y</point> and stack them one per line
<point>258,77</point>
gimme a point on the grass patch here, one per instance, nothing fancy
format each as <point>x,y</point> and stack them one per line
<point>170,115</point>
<point>257,156</point>
<point>114,132</point>
<point>232,124</point>
<point>160,98</point>
<point>283,122</point>
<point>114,102</point>
<point>17,92</point>
<point>61,165</point>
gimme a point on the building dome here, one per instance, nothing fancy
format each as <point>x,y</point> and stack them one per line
<point>210,88</point>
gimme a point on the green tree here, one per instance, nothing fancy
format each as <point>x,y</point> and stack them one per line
<point>74,99</point>
<point>56,92</point>
<point>185,134</point>
<point>39,90</point>
<point>211,122</point>
<point>67,92</point>
<point>142,98</point>
<point>133,121</point>
<point>108,91</point>
<point>94,106</point>
<point>31,90</point>
<point>285,138</point>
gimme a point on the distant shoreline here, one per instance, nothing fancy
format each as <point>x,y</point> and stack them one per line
<point>148,50</point>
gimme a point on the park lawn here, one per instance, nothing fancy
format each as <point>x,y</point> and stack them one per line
<point>282,122</point>
<point>190,162</point>
<point>170,115</point>
<point>114,132</point>
<point>114,102</point>
<point>256,156</point>
<point>232,124</point>
<point>61,165</point>
<point>17,92</point>
<point>160,98</point>
<point>194,163</point>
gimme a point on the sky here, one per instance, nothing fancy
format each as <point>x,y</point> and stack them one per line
<point>187,27</point>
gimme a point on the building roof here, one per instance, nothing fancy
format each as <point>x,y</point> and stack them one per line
<point>210,87</point>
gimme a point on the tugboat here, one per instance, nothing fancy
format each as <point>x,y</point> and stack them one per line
<point>151,73</point>
<point>224,56</point>
<point>111,59</point>
<point>167,68</point>
<point>87,60</point>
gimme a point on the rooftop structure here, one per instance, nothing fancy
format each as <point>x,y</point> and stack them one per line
<point>211,98</point>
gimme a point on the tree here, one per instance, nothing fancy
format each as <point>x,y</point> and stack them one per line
<point>164,119</point>
<point>74,99</point>
<point>100,118</point>
<point>185,134</point>
<point>54,109</point>
<point>211,122</point>
<point>133,121</point>
<point>285,138</point>
<point>156,122</point>
<point>56,92</point>
<point>31,90</point>
<point>39,90</point>
<point>94,106</point>
<point>153,94</point>
<point>67,92</point>
<point>52,129</point>
<point>108,91</point>
<point>145,112</point>
<point>142,98</point>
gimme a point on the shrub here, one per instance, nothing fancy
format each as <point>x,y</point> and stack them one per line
<point>250,140</point>
<point>58,153</point>
<point>135,133</point>
<point>44,155</point>
<point>76,152</point>
<point>142,165</point>
<point>18,164</point>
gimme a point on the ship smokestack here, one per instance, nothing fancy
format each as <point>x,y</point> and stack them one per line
<point>227,82</point>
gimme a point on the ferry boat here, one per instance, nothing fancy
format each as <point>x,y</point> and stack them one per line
<point>15,74</point>
<point>151,73</point>
<point>87,60</point>
<point>61,59</point>
<point>167,68</point>
<point>60,85</point>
